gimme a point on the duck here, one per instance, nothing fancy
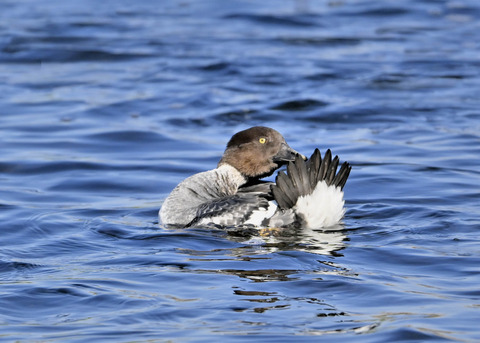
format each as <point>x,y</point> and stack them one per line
<point>309,194</point>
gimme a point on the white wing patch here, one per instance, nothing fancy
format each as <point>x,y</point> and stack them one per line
<point>258,216</point>
<point>322,208</point>
<point>225,219</point>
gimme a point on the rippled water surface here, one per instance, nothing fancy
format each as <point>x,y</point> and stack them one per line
<point>106,106</point>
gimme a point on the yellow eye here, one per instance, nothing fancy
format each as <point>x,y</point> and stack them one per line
<point>262,140</point>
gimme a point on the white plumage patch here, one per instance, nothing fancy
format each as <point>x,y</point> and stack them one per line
<point>237,216</point>
<point>226,219</point>
<point>322,208</point>
<point>258,216</point>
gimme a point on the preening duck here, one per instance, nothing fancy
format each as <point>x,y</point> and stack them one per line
<point>310,194</point>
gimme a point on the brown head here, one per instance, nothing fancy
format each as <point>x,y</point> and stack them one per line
<point>257,152</point>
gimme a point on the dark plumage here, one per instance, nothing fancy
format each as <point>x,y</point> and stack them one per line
<point>257,152</point>
<point>303,177</point>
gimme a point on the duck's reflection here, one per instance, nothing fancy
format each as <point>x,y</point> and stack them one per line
<point>322,242</point>
<point>284,268</point>
<point>272,255</point>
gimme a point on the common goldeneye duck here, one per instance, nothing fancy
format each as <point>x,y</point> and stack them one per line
<point>310,194</point>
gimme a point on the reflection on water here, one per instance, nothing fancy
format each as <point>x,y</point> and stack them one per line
<point>322,242</point>
<point>257,247</point>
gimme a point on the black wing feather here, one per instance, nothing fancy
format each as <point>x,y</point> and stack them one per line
<point>237,207</point>
<point>313,167</point>
<point>302,177</point>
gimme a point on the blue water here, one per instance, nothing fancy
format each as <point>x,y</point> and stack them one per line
<point>106,106</point>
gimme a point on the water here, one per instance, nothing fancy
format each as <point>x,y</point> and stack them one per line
<point>106,106</point>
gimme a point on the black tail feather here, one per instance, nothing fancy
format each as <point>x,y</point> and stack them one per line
<point>303,176</point>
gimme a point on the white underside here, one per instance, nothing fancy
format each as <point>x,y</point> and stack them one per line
<point>258,216</point>
<point>323,208</point>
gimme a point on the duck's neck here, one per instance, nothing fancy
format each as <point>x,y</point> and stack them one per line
<point>233,178</point>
